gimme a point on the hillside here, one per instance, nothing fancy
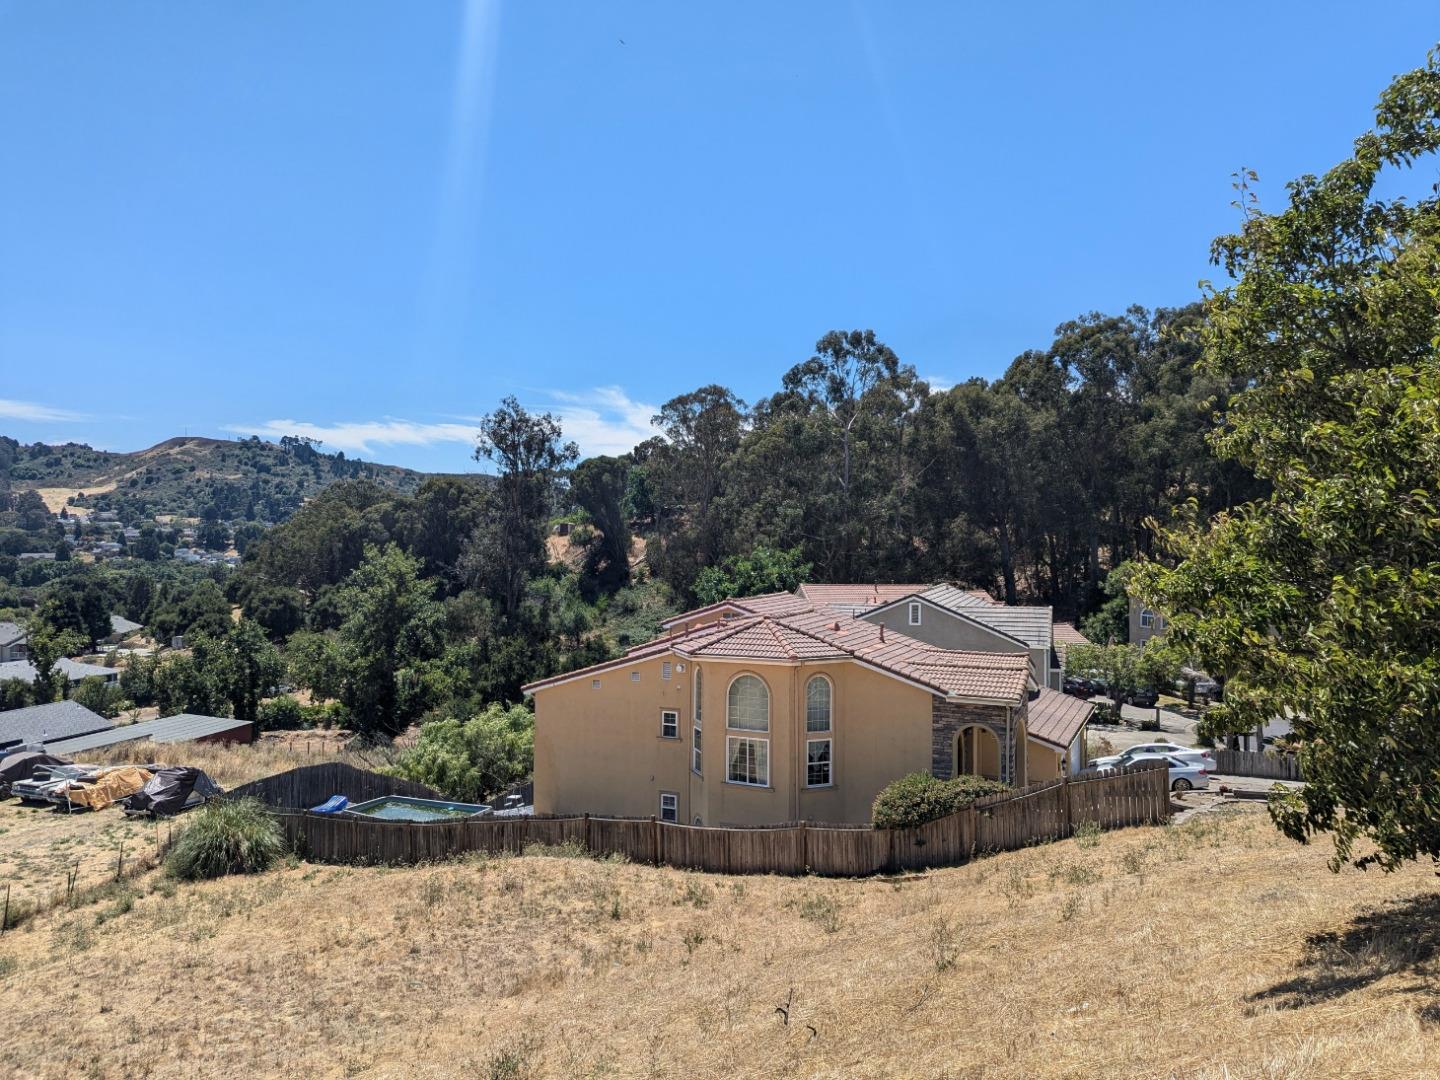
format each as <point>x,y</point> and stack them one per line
<point>250,478</point>
<point>1213,949</point>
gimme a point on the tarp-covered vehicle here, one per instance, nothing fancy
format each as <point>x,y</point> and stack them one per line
<point>171,790</point>
<point>23,765</point>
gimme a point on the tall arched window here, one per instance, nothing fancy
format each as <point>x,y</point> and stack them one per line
<point>817,704</point>
<point>747,705</point>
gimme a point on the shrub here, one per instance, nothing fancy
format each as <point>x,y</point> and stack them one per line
<point>281,712</point>
<point>226,837</point>
<point>472,759</point>
<point>915,799</point>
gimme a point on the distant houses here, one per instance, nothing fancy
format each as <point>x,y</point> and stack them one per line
<point>12,642</point>
<point>39,724</point>
<point>73,670</point>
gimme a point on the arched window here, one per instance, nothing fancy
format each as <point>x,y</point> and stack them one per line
<point>817,704</point>
<point>747,705</point>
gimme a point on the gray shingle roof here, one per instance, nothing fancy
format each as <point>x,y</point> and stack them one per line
<point>121,625</point>
<point>37,723</point>
<point>73,670</point>
<point>1032,625</point>
<point>182,727</point>
<point>11,632</point>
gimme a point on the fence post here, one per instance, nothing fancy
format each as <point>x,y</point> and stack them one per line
<point>585,832</point>
<point>1067,827</point>
<point>804,848</point>
<point>655,839</point>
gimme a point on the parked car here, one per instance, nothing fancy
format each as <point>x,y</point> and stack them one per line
<point>1141,699</point>
<point>1079,687</point>
<point>1184,774</point>
<point>1166,747</point>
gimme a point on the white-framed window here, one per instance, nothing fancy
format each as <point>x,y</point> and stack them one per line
<point>695,760</point>
<point>669,724</point>
<point>818,765</point>
<point>914,614</point>
<point>634,676</point>
<point>669,806</point>
<point>594,684</point>
<point>699,689</point>
<point>1147,619</point>
<point>818,695</point>
<point>747,761</point>
<point>747,704</point>
<point>665,669</point>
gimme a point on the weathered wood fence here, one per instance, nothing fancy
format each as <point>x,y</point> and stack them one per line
<point>1250,763</point>
<point>311,785</point>
<point>1047,811</point>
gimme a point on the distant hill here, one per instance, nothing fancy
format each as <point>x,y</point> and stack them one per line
<point>247,479</point>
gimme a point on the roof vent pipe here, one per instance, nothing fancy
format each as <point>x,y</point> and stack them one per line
<point>882,631</point>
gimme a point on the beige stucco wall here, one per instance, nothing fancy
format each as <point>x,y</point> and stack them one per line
<point>1044,763</point>
<point>600,751</point>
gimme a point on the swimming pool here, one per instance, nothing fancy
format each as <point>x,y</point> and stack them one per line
<point>404,808</point>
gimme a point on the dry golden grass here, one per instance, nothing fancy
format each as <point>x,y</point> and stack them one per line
<point>232,764</point>
<point>1214,949</point>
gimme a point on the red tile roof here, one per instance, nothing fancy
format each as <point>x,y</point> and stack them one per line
<point>815,635</point>
<point>848,598</point>
<point>776,603</point>
<point>1056,718</point>
<point>1066,635</point>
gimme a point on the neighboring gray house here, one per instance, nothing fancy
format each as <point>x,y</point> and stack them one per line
<point>183,727</point>
<point>1144,623</point>
<point>38,724</point>
<point>73,671</point>
<point>122,628</point>
<point>12,642</point>
<point>952,618</point>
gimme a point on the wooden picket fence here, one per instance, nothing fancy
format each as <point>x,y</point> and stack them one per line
<point>1046,811</point>
<point>1250,763</point>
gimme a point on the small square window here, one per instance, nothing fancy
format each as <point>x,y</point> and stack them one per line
<point>669,724</point>
<point>634,676</point>
<point>669,806</point>
<point>594,684</point>
<point>914,614</point>
<point>665,669</point>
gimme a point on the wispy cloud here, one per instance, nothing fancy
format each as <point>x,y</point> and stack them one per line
<point>30,410</point>
<point>938,383</point>
<point>604,420</point>
<point>362,436</point>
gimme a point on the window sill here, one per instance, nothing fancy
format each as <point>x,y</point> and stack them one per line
<point>669,738</point>
<point>821,787</point>
<point>749,787</point>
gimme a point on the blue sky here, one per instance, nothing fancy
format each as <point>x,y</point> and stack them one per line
<point>370,221</point>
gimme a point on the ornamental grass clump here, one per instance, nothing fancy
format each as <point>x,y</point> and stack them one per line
<point>226,837</point>
<point>915,799</point>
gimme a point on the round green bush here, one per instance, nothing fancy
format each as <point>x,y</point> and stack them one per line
<point>226,837</point>
<point>915,799</point>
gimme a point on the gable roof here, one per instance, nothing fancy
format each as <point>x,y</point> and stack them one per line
<point>1055,718</point>
<point>39,723</point>
<point>73,670</point>
<point>1066,635</point>
<point>776,603</point>
<point>121,625</point>
<point>853,599</point>
<point>1032,625</point>
<point>10,633</point>
<point>181,727</point>
<point>814,636</point>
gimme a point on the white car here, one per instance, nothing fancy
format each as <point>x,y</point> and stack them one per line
<point>1197,755</point>
<point>1184,775</point>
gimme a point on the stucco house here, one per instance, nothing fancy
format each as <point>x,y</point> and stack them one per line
<point>780,708</point>
<point>12,642</point>
<point>1144,623</point>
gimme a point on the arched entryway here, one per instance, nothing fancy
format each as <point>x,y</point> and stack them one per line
<point>977,751</point>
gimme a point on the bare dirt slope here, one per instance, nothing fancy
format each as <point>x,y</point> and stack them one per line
<point>1215,949</point>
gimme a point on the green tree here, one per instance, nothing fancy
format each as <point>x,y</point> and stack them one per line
<point>99,696</point>
<point>392,627</point>
<point>244,665</point>
<point>473,759</point>
<point>764,570</point>
<point>599,486</point>
<point>509,546</point>
<point>46,644</point>
<point>1321,601</point>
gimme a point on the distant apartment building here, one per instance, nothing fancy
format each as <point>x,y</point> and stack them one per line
<point>1145,623</point>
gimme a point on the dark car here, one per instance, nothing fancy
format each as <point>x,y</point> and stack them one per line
<point>1078,687</point>
<point>1142,699</point>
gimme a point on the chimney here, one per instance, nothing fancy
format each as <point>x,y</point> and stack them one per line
<point>882,631</point>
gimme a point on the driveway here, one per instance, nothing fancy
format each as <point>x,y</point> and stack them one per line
<point>1172,726</point>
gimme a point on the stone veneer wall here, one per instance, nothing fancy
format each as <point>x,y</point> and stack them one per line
<point>948,717</point>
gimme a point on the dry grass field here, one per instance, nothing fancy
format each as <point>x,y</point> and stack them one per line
<point>1213,949</point>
